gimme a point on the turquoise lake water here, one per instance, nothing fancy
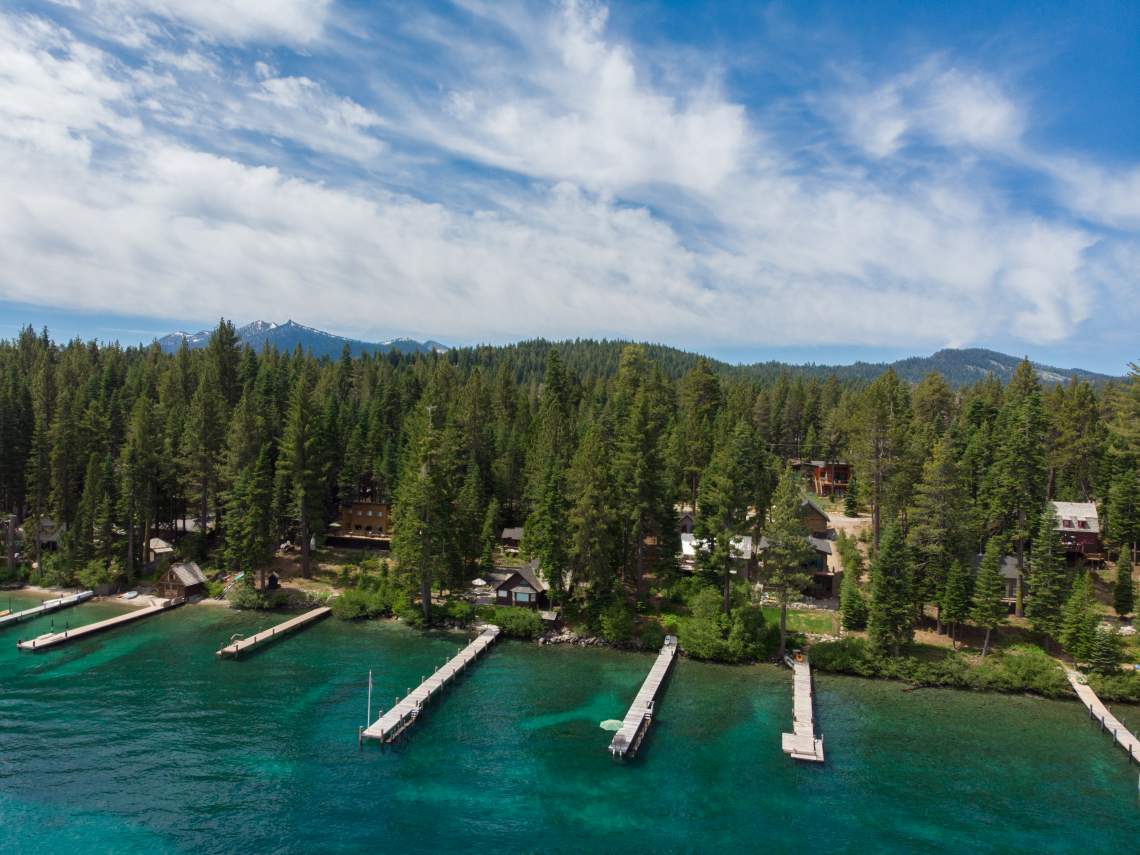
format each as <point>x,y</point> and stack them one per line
<point>139,740</point>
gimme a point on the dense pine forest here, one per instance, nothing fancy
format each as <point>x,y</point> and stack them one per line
<point>594,448</point>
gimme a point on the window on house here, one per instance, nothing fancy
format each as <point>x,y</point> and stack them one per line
<point>522,598</point>
<point>504,594</point>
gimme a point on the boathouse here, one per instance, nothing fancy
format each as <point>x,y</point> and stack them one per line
<point>522,586</point>
<point>182,581</point>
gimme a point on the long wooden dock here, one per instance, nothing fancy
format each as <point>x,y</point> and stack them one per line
<point>400,717</point>
<point>1121,735</point>
<point>802,744</point>
<point>46,607</point>
<point>54,639</point>
<point>241,645</point>
<point>636,722</point>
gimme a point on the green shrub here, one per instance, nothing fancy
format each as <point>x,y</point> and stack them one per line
<point>410,613</point>
<point>703,638</point>
<point>459,611</point>
<point>215,590</point>
<point>54,571</point>
<point>652,634</point>
<point>1123,687</point>
<point>514,622</point>
<point>616,623</point>
<point>245,596</point>
<point>355,604</point>
<point>98,572</point>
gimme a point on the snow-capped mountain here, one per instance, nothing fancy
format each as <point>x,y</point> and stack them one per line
<point>289,335</point>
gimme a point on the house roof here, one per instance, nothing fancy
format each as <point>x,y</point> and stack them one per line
<point>820,544</point>
<point>515,533</point>
<point>158,545</point>
<point>1073,512</point>
<point>811,504</point>
<point>528,573</point>
<point>741,546</point>
<point>188,573</point>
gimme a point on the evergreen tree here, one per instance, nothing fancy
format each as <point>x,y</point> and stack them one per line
<point>852,602</point>
<point>890,619</point>
<point>787,549</point>
<point>1123,593</point>
<point>1017,479</point>
<point>1122,528</point>
<point>300,467</point>
<point>545,534</point>
<point>1079,620</point>
<point>726,493</point>
<point>989,610</point>
<point>1047,577</point>
<point>956,597</point>
<point>939,528</point>
<point>851,497</point>
<point>1106,651</point>
<point>593,541</point>
<point>489,535</point>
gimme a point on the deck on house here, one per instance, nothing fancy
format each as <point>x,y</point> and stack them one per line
<point>54,639</point>
<point>46,607</point>
<point>243,644</point>
<point>802,743</point>
<point>400,717</point>
<point>1121,735</point>
<point>636,722</point>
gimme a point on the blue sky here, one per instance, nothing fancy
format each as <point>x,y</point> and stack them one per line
<point>805,181</point>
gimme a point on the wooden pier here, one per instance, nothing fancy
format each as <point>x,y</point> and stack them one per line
<point>1121,735</point>
<point>239,646</point>
<point>46,607</point>
<point>802,744</point>
<point>54,639</point>
<point>636,722</point>
<point>392,724</point>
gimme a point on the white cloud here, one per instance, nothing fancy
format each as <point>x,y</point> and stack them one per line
<point>290,21</point>
<point>932,103</point>
<point>576,107</point>
<point>646,213</point>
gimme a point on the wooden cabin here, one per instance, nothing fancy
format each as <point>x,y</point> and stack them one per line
<point>1079,528</point>
<point>366,518</point>
<point>825,478</point>
<point>523,586</point>
<point>686,520</point>
<point>157,549</point>
<point>825,573</point>
<point>511,538</point>
<point>815,518</point>
<point>182,581</point>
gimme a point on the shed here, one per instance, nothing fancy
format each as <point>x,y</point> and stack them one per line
<point>512,537</point>
<point>158,548</point>
<point>814,517</point>
<point>182,580</point>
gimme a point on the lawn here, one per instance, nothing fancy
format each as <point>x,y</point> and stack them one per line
<point>815,621</point>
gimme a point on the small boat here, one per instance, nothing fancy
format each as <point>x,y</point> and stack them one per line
<point>130,595</point>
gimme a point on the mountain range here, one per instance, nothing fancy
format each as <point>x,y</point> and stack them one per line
<point>959,366</point>
<point>289,335</point>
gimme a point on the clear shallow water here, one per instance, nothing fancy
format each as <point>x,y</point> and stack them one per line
<point>140,741</point>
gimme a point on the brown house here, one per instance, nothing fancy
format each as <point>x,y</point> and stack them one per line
<point>1079,528</point>
<point>519,587</point>
<point>825,478</point>
<point>182,581</point>
<point>367,519</point>
<point>815,518</point>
